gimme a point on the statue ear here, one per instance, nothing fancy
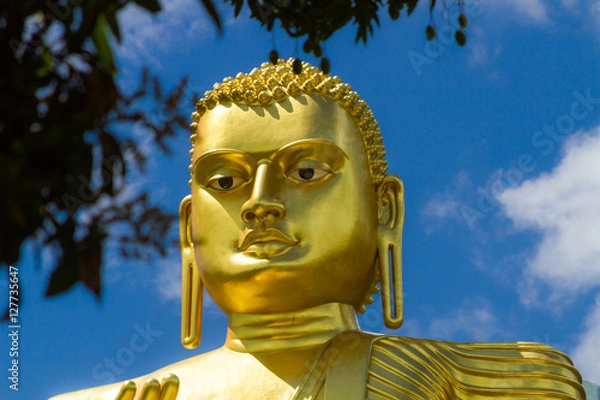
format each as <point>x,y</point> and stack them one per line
<point>192,289</point>
<point>390,199</point>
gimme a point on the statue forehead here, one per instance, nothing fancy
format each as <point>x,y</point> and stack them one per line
<point>257,129</point>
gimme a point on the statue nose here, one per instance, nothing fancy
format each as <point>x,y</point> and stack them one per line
<point>261,206</point>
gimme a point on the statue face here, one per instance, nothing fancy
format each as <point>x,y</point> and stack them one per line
<point>283,213</point>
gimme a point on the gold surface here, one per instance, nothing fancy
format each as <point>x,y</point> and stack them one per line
<point>265,257</point>
<point>291,222</point>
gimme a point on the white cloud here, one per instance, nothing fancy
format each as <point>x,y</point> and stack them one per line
<point>463,203</point>
<point>528,10</point>
<point>595,11</point>
<point>144,33</point>
<point>569,3</point>
<point>478,49</point>
<point>441,206</point>
<point>481,51</point>
<point>564,207</point>
<point>447,205</point>
<point>474,321</point>
<point>168,284</point>
<point>411,327</point>
<point>168,279</point>
<point>586,354</point>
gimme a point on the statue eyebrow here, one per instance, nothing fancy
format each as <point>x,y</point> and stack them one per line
<point>284,149</point>
<point>218,152</point>
<point>302,142</point>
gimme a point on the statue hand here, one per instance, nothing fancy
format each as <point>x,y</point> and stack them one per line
<point>152,390</point>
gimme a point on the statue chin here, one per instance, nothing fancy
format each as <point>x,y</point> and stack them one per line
<point>292,225</point>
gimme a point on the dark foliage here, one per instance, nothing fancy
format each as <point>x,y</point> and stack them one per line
<point>65,126</point>
<point>318,20</point>
<point>62,146</point>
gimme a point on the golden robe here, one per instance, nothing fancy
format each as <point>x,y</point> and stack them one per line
<point>407,368</point>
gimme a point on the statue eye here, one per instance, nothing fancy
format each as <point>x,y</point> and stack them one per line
<point>225,183</point>
<point>308,174</point>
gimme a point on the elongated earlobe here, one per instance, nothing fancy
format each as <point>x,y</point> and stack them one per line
<point>192,289</point>
<point>390,197</point>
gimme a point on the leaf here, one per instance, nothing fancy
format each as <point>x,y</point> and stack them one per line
<point>157,89</point>
<point>65,274</point>
<point>90,257</point>
<point>63,277</point>
<point>364,13</point>
<point>114,25</point>
<point>144,79</point>
<point>6,315</point>
<point>105,55</point>
<point>238,7</point>
<point>112,159</point>
<point>214,14</point>
<point>151,5</point>
<point>431,5</point>
<point>175,96</point>
<point>48,60</point>
<point>412,4</point>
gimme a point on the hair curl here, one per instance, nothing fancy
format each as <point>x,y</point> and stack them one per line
<point>271,84</point>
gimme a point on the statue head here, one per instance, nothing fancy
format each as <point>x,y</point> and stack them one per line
<point>291,206</point>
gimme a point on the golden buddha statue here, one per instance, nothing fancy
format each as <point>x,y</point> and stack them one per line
<point>292,224</point>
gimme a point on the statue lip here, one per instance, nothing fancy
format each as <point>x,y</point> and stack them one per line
<point>252,237</point>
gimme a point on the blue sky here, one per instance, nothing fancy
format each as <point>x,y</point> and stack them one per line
<point>498,144</point>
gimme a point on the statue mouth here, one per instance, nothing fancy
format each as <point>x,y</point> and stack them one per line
<point>265,243</point>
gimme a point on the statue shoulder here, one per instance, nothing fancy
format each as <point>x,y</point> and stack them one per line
<point>440,370</point>
<point>106,392</point>
<point>185,369</point>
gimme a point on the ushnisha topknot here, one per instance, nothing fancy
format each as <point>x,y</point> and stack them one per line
<point>271,84</point>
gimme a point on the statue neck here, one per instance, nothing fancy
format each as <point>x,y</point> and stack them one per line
<point>289,331</point>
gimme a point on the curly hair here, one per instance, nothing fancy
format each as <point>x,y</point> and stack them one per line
<point>271,84</point>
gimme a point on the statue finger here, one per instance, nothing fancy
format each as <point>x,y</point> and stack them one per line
<point>169,387</point>
<point>127,391</point>
<point>151,390</point>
